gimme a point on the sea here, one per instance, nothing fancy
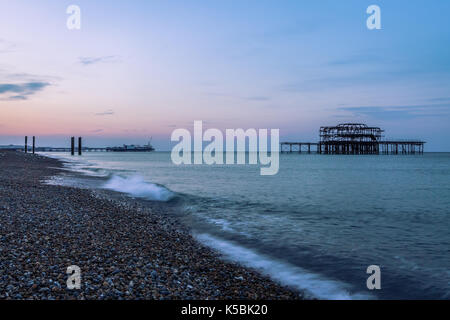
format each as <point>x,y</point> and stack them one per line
<point>316,226</point>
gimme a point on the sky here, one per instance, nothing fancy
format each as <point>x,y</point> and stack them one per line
<point>140,69</point>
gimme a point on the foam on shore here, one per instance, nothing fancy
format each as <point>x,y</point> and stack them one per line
<point>313,285</point>
<point>137,187</point>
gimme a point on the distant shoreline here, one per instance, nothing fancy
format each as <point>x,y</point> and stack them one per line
<point>124,250</point>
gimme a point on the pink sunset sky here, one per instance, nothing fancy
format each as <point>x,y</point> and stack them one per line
<point>140,69</point>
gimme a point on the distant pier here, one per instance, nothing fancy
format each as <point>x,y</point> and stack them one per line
<point>83,149</point>
<point>354,138</point>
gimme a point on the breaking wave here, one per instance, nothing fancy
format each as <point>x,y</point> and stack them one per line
<point>137,187</point>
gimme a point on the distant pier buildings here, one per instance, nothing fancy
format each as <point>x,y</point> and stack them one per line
<point>354,138</point>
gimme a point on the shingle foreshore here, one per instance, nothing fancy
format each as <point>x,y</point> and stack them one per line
<point>124,250</point>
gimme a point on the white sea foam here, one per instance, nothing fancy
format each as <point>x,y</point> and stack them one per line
<point>79,165</point>
<point>136,186</point>
<point>312,284</point>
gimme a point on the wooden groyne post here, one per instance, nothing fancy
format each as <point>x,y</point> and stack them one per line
<point>34,143</point>
<point>79,146</point>
<point>26,144</point>
<point>72,146</point>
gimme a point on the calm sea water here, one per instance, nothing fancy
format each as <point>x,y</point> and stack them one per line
<point>316,225</point>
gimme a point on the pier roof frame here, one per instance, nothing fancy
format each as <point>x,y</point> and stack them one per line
<point>350,132</point>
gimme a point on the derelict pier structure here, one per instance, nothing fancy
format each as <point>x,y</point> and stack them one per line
<point>355,138</point>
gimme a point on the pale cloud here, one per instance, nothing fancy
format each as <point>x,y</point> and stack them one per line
<point>108,112</point>
<point>86,61</point>
<point>20,91</point>
<point>7,46</point>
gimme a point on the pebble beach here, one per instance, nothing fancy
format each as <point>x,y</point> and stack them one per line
<point>124,250</point>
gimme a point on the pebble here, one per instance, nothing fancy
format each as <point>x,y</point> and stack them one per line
<point>126,249</point>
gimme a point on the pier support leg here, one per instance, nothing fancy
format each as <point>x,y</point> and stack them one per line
<point>72,146</point>
<point>79,146</point>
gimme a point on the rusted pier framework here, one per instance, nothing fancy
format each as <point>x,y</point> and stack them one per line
<point>350,138</point>
<point>402,147</point>
<point>355,138</point>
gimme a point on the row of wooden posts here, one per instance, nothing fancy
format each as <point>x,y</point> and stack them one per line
<point>26,144</point>
<point>72,145</point>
